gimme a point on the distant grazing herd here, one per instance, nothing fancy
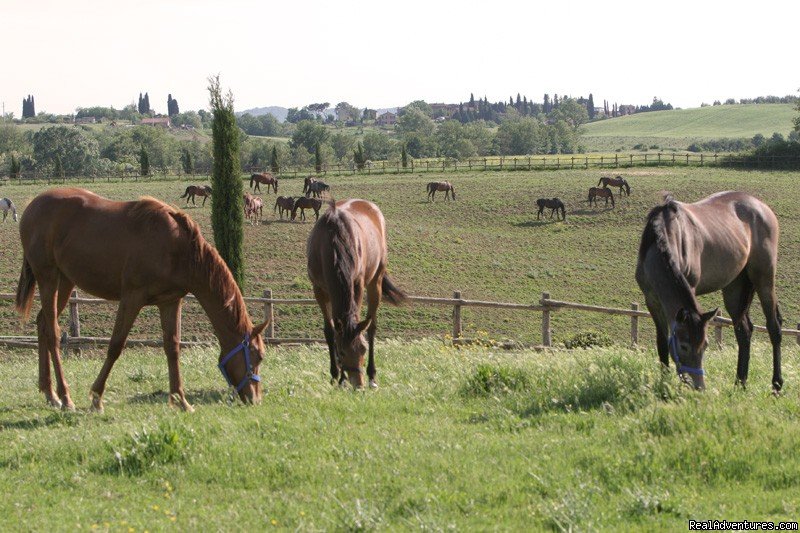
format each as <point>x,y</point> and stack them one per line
<point>313,190</point>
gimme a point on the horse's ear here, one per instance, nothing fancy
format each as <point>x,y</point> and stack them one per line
<point>705,317</point>
<point>364,324</point>
<point>259,329</point>
<point>682,316</point>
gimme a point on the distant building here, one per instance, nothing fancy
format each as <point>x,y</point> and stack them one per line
<point>443,110</point>
<point>626,110</point>
<point>369,114</point>
<point>386,119</point>
<point>164,122</point>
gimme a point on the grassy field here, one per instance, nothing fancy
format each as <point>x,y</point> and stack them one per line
<point>677,129</point>
<point>469,439</point>
<point>487,244</point>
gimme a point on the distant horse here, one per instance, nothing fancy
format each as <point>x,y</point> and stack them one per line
<point>266,179</point>
<point>347,253</point>
<point>307,182</point>
<point>197,190</point>
<point>302,203</point>
<point>440,186</point>
<point>316,188</point>
<point>7,205</point>
<point>728,241</point>
<point>139,253</point>
<point>554,204</point>
<point>254,210</point>
<point>619,181</point>
<point>284,203</point>
<point>603,192</point>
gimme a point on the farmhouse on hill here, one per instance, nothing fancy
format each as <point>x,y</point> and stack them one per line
<point>386,119</point>
<point>164,122</point>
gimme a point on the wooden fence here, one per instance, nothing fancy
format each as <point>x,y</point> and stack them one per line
<point>497,163</point>
<point>546,306</point>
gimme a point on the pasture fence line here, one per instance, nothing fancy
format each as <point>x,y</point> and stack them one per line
<point>546,306</point>
<point>489,163</point>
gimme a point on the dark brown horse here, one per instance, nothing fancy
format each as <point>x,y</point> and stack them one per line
<point>440,186</point>
<point>728,242</point>
<point>603,192</point>
<point>197,190</point>
<point>264,179</point>
<point>302,203</point>
<point>284,203</point>
<point>553,204</point>
<point>139,253</point>
<point>619,181</point>
<point>346,254</point>
<point>316,188</point>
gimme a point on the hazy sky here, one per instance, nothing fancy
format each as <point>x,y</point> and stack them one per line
<point>78,53</point>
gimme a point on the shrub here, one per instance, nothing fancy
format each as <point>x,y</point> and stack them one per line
<point>489,380</point>
<point>588,339</point>
<point>146,449</point>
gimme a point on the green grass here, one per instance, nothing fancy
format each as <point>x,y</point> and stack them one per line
<point>677,129</point>
<point>488,244</point>
<point>455,438</point>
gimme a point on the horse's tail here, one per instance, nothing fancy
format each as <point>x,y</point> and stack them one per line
<point>391,293</point>
<point>275,209</point>
<point>185,194</point>
<point>627,187</point>
<point>25,293</point>
<point>599,182</point>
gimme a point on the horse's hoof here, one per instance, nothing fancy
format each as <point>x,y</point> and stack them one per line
<point>54,402</point>
<point>68,406</point>
<point>97,403</point>
<point>373,384</point>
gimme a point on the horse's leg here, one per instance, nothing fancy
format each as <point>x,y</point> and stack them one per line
<point>47,329</point>
<point>171,330</point>
<point>322,301</point>
<point>129,307</point>
<point>769,304</point>
<point>738,296</point>
<point>65,287</point>
<point>374,292</point>
<point>204,200</point>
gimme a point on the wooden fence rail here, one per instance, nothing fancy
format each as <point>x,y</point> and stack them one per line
<point>546,306</point>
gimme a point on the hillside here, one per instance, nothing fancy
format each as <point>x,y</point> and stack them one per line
<point>681,126</point>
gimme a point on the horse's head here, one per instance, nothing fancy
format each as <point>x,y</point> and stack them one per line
<point>240,365</point>
<point>351,348</point>
<point>688,340</point>
<point>453,192</point>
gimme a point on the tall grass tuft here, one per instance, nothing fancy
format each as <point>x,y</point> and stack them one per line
<point>146,449</point>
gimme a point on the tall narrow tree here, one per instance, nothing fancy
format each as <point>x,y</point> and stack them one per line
<point>317,158</point>
<point>227,215</point>
<point>144,162</point>
<point>403,156</point>
<point>274,164</point>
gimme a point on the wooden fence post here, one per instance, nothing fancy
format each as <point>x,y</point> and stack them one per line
<point>269,314</point>
<point>634,325</point>
<point>798,337</point>
<point>546,333</point>
<point>457,330</point>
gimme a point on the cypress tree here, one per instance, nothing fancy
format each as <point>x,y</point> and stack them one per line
<point>186,162</point>
<point>403,156</point>
<point>139,107</point>
<point>146,103</point>
<point>144,162</point>
<point>227,216</point>
<point>274,164</point>
<point>358,157</point>
<point>590,107</point>
<point>15,167</point>
<point>317,158</point>
<point>58,167</point>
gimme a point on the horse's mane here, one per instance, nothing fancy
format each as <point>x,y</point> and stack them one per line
<point>659,223</point>
<point>335,224</point>
<point>205,260</point>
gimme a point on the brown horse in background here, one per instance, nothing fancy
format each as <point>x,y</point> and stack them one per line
<point>284,203</point>
<point>307,183</point>
<point>728,242</point>
<point>302,203</point>
<point>197,190</point>
<point>264,179</point>
<point>553,204</point>
<point>139,253</point>
<point>603,192</point>
<point>347,253</point>
<point>440,186</point>
<point>619,181</point>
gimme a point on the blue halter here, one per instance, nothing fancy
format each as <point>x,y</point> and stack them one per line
<point>250,376</point>
<point>673,350</point>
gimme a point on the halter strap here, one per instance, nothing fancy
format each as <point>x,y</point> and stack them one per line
<point>244,346</point>
<point>673,350</point>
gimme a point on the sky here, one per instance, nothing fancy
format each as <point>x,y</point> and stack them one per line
<point>81,53</point>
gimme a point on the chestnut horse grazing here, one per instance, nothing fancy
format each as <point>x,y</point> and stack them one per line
<point>195,190</point>
<point>302,203</point>
<point>346,253</point>
<point>604,192</point>
<point>553,204</point>
<point>619,181</point>
<point>728,242</point>
<point>266,179</point>
<point>284,203</point>
<point>139,253</point>
<point>440,186</point>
